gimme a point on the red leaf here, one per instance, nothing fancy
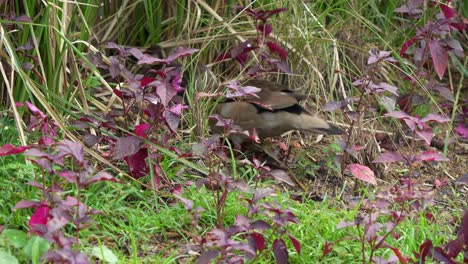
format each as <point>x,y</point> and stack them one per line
<point>296,244</point>
<point>363,173</point>
<point>439,57</point>
<point>259,241</point>
<point>327,248</point>
<point>400,256</point>
<point>448,11</point>
<point>406,46</point>
<point>9,149</point>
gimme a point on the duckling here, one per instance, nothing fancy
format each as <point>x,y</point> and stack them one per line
<point>273,111</point>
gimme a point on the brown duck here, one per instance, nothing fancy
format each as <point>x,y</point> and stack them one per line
<point>275,111</point>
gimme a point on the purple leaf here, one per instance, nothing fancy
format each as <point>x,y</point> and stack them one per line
<point>281,176</point>
<point>259,241</point>
<point>187,203</point>
<point>280,251</point>
<point>9,149</point>
<point>26,204</point>
<point>207,256</point>
<point>439,57</point>
<point>112,45</point>
<point>165,92</point>
<point>35,111</point>
<point>68,175</point>
<point>137,163</point>
<point>389,157</point>
<point>426,135</point>
<point>430,155</point>
<point>126,146</point>
<point>172,120</point>
<point>240,90</point>
<point>434,117</point>
<point>260,225</point>
<point>363,173</point>
<point>75,149</point>
<point>181,52</point>
<point>102,176</point>
<point>463,180</point>
<point>411,7</point>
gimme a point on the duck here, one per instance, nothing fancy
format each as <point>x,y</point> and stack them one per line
<point>271,112</point>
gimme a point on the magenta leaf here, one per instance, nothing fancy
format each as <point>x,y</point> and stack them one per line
<point>296,244</point>
<point>439,57</point>
<point>362,173</point>
<point>462,131</point>
<point>142,129</point>
<point>275,48</point>
<point>40,216</point>
<point>448,11</point>
<point>430,155</point>
<point>9,149</point>
<point>389,157</point>
<point>280,251</point>
<point>35,111</point>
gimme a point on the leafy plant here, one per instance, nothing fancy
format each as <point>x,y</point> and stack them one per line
<point>61,164</point>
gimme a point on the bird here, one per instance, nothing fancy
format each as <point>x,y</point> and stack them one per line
<point>272,111</point>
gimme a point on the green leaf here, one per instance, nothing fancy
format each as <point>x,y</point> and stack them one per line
<point>35,248</point>
<point>16,237</point>
<point>105,254</point>
<point>7,258</point>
